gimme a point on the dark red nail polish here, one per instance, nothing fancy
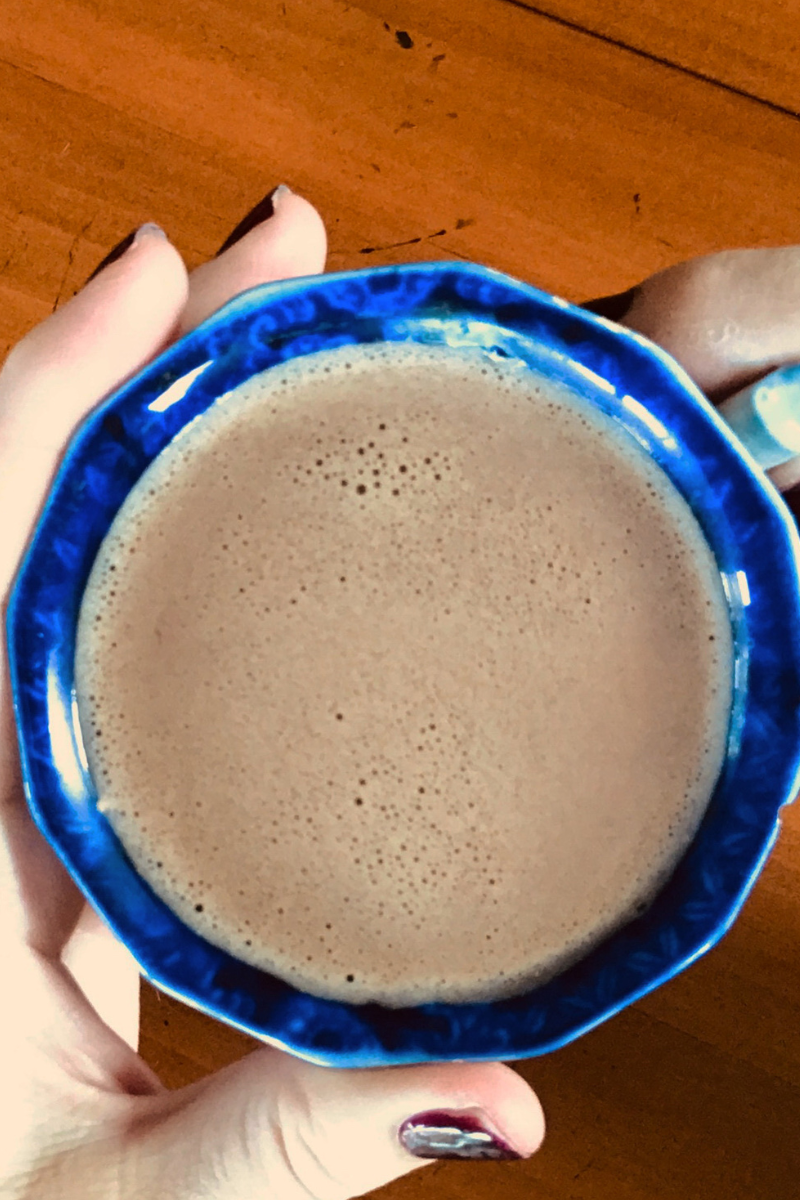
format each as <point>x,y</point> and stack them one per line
<point>613,307</point>
<point>262,211</point>
<point>450,1135</point>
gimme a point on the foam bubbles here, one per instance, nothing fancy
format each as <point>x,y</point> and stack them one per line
<point>382,685</point>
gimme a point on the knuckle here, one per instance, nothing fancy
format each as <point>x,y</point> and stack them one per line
<point>297,1140</point>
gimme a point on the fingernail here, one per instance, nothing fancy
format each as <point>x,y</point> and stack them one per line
<point>136,235</point>
<point>263,210</point>
<point>613,307</point>
<point>452,1135</point>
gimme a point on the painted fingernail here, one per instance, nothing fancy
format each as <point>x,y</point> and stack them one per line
<point>613,307</point>
<point>149,229</point>
<point>452,1135</point>
<point>263,210</point>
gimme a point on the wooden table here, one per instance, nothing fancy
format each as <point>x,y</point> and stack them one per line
<point>578,144</point>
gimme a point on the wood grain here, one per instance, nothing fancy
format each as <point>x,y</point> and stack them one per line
<point>752,48</point>
<point>572,163</point>
<point>506,137</point>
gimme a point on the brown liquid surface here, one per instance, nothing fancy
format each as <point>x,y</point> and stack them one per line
<point>404,677</point>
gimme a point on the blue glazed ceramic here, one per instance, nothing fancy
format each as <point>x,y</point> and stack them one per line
<point>465,306</point>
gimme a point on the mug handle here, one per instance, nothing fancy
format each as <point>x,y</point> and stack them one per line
<point>765,416</point>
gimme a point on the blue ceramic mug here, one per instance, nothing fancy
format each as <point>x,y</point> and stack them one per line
<point>464,307</point>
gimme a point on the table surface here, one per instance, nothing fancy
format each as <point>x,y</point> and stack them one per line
<point>578,145</point>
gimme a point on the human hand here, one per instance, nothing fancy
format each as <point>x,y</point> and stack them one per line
<point>728,318</point>
<point>84,1117</point>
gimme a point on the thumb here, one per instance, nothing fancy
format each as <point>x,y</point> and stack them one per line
<point>728,318</point>
<point>274,1125</point>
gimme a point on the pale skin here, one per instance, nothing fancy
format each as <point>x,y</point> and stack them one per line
<point>83,1115</point>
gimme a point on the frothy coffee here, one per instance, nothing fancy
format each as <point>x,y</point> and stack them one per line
<point>404,675</point>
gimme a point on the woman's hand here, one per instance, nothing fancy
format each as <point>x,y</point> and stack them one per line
<point>83,1116</point>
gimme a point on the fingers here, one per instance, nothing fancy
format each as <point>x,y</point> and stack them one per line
<point>49,382</point>
<point>126,314</point>
<point>290,243</point>
<point>121,319</point>
<point>106,973</point>
<point>66,365</point>
<point>275,1125</point>
<point>727,318</point>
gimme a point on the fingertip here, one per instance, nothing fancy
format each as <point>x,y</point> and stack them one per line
<point>304,224</point>
<point>293,235</point>
<point>289,244</point>
<point>134,303</point>
<point>512,1104</point>
<point>151,262</point>
<point>94,343</point>
<point>494,1089</point>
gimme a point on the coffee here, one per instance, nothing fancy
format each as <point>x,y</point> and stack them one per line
<point>404,675</point>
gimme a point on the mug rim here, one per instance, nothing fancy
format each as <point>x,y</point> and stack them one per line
<point>290,319</point>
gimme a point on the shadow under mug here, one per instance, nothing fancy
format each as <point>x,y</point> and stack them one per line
<point>476,310</point>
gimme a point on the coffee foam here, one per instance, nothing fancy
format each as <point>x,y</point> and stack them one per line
<point>404,675</point>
